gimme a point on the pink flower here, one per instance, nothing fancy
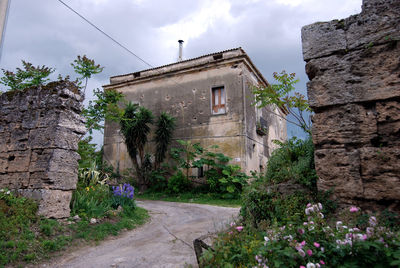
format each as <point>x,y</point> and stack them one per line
<point>302,253</point>
<point>230,233</point>
<point>301,231</point>
<point>309,252</point>
<point>353,209</point>
<point>309,205</point>
<point>303,243</point>
<point>364,237</point>
<point>239,228</point>
<point>316,245</point>
<point>322,262</point>
<point>302,266</point>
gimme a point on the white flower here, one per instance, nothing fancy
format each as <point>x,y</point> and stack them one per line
<point>1,190</point>
<point>320,206</point>
<point>8,192</point>
<point>339,224</point>
<point>310,265</point>
<point>321,215</point>
<point>372,221</point>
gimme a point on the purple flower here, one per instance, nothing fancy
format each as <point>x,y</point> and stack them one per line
<point>309,252</point>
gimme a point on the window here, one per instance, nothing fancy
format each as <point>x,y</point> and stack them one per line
<point>218,100</point>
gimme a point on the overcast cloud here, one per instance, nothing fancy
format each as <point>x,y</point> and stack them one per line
<point>45,32</point>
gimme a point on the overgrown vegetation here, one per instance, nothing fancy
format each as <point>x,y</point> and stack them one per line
<point>26,237</point>
<point>286,222</point>
<point>135,127</point>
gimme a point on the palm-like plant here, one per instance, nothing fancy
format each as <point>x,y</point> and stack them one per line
<point>165,127</point>
<point>135,126</point>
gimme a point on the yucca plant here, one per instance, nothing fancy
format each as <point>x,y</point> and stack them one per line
<point>165,127</point>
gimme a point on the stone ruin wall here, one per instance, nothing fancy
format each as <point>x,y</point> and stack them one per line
<point>39,133</point>
<point>354,71</point>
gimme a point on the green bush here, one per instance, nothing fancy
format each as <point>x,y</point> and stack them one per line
<point>158,181</point>
<point>91,201</point>
<point>178,183</point>
<point>227,180</point>
<point>312,243</point>
<point>294,160</point>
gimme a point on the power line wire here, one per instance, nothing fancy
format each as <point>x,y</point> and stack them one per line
<point>100,30</point>
<point>136,56</point>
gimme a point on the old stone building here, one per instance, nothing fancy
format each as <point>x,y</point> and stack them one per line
<point>211,99</point>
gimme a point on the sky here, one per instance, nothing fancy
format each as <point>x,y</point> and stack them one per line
<point>45,32</point>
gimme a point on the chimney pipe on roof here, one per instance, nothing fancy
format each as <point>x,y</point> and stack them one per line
<point>180,50</point>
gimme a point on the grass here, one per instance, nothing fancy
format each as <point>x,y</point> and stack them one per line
<point>198,198</point>
<point>26,237</point>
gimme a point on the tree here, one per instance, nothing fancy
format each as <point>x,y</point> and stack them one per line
<point>135,127</point>
<point>29,76</point>
<point>165,127</point>
<point>279,95</point>
<point>86,68</point>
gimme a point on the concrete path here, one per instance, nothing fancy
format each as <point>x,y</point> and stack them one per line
<point>166,241</point>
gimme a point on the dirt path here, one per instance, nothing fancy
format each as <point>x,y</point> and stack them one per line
<point>166,241</point>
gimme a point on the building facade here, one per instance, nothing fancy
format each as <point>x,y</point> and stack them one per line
<point>211,99</point>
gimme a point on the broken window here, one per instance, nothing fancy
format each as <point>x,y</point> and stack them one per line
<point>218,100</point>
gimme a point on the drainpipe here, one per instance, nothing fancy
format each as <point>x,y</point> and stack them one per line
<point>244,121</point>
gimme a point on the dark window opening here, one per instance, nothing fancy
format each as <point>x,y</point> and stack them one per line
<point>217,57</point>
<point>136,75</point>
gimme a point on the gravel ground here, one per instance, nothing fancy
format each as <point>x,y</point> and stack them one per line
<point>166,241</point>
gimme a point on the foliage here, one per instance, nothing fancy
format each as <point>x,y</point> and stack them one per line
<point>123,196</point>
<point>135,127</point>
<point>165,127</point>
<point>178,183</point>
<point>261,206</point>
<point>87,152</point>
<point>27,77</point>
<point>279,95</point>
<point>294,160</point>
<point>222,178</point>
<point>91,201</point>
<point>186,154</point>
<point>86,67</point>
<point>103,107</point>
<point>312,243</point>
<point>27,237</point>
<point>158,181</point>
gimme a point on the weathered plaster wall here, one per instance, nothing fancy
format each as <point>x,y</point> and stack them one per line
<point>354,71</point>
<point>39,133</point>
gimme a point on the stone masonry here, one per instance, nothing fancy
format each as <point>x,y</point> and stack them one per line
<point>354,71</point>
<point>39,133</point>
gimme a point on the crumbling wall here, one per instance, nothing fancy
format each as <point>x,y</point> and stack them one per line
<point>39,133</point>
<point>354,71</point>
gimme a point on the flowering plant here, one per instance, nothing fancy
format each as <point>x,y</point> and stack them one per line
<point>312,243</point>
<point>123,196</point>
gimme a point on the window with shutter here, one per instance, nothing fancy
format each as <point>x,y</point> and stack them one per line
<point>218,100</point>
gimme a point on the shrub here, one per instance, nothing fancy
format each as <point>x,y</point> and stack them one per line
<point>91,201</point>
<point>294,160</point>
<point>312,243</point>
<point>178,183</point>
<point>158,181</point>
<point>227,180</point>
